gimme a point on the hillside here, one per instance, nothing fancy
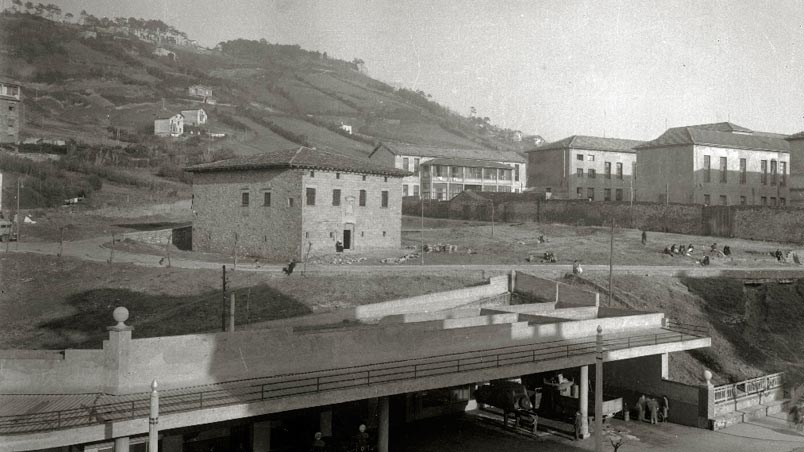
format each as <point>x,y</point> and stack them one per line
<point>109,88</point>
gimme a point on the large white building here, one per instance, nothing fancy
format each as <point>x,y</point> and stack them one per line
<point>442,173</point>
<point>714,164</point>
<point>584,167</point>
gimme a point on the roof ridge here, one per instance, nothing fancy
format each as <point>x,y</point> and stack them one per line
<point>296,154</point>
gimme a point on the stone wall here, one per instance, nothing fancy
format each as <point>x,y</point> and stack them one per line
<point>749,222</point>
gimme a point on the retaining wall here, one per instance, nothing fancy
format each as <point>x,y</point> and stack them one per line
<point>749,222</point>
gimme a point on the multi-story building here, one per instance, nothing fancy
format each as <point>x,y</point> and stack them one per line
<point>714,164</point>
<point>171,126</point>
<point>796,183</point>
<point>584,167</point>
<point>10,96</point>
<point>287,203</point>
<point>442,173</point>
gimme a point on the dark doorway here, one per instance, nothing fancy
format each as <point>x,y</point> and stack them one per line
<point>347,239</point>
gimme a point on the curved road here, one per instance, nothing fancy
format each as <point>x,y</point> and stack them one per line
<point>94,251</point>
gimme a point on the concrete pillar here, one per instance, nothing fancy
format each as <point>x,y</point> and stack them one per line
<point>584,401</point>
<point>599,390</point>
<point>325,424</point>
<point>384,424</point>
<point>117,352</point>
<point>121,444</point>
<point>173,443</point>
<point>665,366</point>
<point>261,436</point>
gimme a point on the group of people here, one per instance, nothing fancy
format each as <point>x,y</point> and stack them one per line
<point>359,443</point>
<point>653,407</point>
<point>679,250</point>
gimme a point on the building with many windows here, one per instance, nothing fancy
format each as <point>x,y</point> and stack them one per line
<point>442,173</point>
<point>714,164</point>
<point>584,167</point>
<point>10,96</point>
<point>284,204</point>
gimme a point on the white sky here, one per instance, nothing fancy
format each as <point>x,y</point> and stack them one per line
<point>557,68</point>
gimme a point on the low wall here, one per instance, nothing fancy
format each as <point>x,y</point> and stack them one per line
<point>181,237</point>
<point>546,290</point>
<point>76,372</point>
<point>749,222</point>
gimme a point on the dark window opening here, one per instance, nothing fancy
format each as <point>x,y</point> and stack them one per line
<point>311,196</point>
<point>244,199</point>
<point>384,198</point>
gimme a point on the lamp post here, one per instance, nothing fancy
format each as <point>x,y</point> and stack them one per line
<point>492,217</point>
<point>153,420</point>
<point>421,230</point>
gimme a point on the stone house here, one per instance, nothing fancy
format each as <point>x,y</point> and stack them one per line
<point>714,164</point>
<point>171,126</point>
<point>583,167</point>
<point>442,173</point>
<point>10,96</point>
<point>199,91</point>
<point>281,205</point>
<point>194,117</point>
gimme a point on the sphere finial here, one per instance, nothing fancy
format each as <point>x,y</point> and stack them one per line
<point>599,329</point>
<point>154,385</point>
<point>708,377</point>
<point>120,315</point>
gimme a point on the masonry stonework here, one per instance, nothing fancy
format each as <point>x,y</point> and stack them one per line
<point>267,231</point>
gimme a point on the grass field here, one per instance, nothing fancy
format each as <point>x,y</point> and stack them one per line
<point>514,243</point>
<point>52,303</point>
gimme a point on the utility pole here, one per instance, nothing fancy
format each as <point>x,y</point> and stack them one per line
<point>422,228</point>
<point>611,262</point>
<point>223,306</point>
<point>19,218</point>
<point>492,217</point>
<point>153,419</point>
<point>232,313</point>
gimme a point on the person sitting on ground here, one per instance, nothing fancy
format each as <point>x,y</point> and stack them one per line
<point>667,251</point>
<point>542,239</point>
<point>674,249</point>
<point>289,269</point>
<point>726,250</point>
<point>576,268</point>
<point>690,249</point>
<point>778,254</point>
<point>682,249</point>
<point>705,261</point>
<point>713,247</point>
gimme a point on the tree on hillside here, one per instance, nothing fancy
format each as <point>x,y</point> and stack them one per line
<point>39,9</point>
<point>28,7</point>
<point>69,17</point>
<point>16,5</point>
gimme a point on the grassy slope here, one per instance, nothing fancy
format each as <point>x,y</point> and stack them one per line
<point>50,303</point>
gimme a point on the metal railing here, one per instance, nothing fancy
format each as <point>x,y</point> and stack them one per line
<point>731,392</point>
<point>290,385</point>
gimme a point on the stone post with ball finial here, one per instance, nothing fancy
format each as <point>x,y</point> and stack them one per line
<point>117,350</point>
<point>706,402</point>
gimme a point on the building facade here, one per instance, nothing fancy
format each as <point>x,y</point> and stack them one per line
<point>172,126</point>
<point>199,91</point>
<point>10,97</point>
<point>286,204</point>
<point>584,167</point>
<point>796,183</point>
<point>194,117</point>
<point>714,164</point>
<point>442,173</point>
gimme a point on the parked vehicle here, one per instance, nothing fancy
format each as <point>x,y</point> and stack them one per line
<point>7,231</point>
<point>512,398</point>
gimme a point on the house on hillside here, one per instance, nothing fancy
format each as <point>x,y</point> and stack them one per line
<point>194,117</point>
<point>284,204</point>
<point>714,164</point>
<point>346,128</point>
<point>441,173</point>
<point>161,51</point>
<point>10,97</point>
<point>170,126</point>
<point>584,167</point>
<point>89,34</point>
<point>200,91</point>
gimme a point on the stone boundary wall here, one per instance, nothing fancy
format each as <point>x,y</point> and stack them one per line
<point>181,237</point>
<point>748,222</point>
<point>548,290</point>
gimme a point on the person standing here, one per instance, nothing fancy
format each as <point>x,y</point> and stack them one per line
<point>644,238</point>
<point>578,425</point>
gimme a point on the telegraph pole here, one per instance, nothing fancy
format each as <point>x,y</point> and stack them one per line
<point>153,419</point>
<point>422,228</point>
<point>19,218</point>
<point>611,262</point>
<point>223,305</point>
